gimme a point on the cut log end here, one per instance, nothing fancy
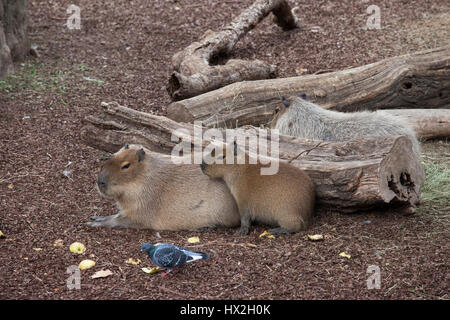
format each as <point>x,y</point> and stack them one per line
<point>285,17</point>
<point>173,86</point>
<point>401,174</point>
<point>177,112</point>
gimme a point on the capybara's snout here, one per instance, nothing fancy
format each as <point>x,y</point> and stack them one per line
<point>102,182</point>
<point>203,166</point>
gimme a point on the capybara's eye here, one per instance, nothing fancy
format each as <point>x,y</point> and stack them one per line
<point>125,166</point>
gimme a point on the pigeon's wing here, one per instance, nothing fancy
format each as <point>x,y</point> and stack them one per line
<point>168,257</point>
<point>194,255</point>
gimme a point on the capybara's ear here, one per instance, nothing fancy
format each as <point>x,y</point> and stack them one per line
<point>285,102</point>
<point>127,146</point>
<point>140,154</point>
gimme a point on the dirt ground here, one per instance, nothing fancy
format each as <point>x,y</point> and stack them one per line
<point>122,54</point>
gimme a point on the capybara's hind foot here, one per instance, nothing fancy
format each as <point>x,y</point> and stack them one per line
<point>244,230</point>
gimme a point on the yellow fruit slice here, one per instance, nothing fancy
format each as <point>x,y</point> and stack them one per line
<point>132,261</point>
<point>345,255</point>
<point>193,240</point>
<point>86,264</point>
<point>151,270</point>
<point>267,234</point>
<point>315,237</point>
<point>77,247</point>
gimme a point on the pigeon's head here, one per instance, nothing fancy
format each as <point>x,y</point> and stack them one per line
<point>122,171</point>
<point>147,247</point>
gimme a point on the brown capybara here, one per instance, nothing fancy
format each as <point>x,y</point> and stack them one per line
<point>285,199</point>
<point>154,193</point>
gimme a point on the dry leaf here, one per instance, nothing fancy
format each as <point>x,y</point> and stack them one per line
<point>151,270</point>
<point>315,237</point>
<point>77,247</point>
<point>37,249</point>
<point>86,264</point>
<point>10,186</point>
<point>102,274</point>
<point>132,261</point>
<point>345,255</point>
<point>193,240</point>
<point>300,70</point>
<point>58,243</point>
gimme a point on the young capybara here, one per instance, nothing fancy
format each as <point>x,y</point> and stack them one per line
<point>152,192</point>
<point>285,199</point>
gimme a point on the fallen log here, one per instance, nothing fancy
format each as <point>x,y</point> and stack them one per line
<point>349,176</point>
<point>428,124</point>
<point>193,70</point>
<point>419,80</point>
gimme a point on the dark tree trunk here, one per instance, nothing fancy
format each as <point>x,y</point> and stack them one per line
<point>14,44</point>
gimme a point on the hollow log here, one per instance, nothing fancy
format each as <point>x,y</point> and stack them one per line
<point>193,70</point>
<point>349,176</point>
<point>419,80</point>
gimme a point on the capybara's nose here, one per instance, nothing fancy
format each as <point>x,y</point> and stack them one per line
<point>203,166</point>
<point>101,181</point>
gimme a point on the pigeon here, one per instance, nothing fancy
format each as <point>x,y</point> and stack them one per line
<point>168,256</point>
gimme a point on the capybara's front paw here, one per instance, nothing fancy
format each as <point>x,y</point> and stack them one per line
<point>95,224</point>
<point>98,218</point>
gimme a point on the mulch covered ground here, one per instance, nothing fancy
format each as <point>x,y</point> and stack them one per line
<point>122,54</point>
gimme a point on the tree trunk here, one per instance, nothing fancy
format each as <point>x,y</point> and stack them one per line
<point>194,73</point>
<point>14,44</point>
<point>419,80</point>
<point>349,176</point>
